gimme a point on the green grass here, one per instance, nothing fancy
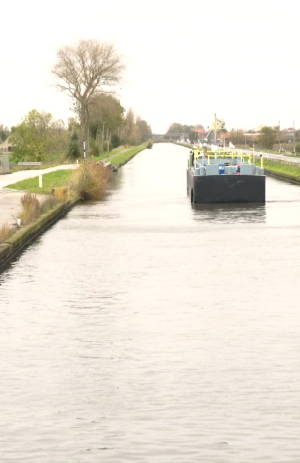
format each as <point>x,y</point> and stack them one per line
<point>107,155</point>
<point>279,168</point>
<point>61,177</point>
<point>50,181</point>
<point>123,157</point>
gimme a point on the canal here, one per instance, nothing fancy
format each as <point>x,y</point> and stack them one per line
<point>143,329</point>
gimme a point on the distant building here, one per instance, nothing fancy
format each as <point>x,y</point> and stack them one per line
<point>200,131</point>
<point>251,137</point>
<point>6,146</point>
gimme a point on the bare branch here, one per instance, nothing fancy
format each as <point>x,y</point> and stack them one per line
<point>88,68</point>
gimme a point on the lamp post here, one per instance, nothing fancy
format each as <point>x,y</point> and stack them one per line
<point>279,137</point>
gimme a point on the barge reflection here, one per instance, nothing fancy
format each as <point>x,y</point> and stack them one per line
<point>230,213</point>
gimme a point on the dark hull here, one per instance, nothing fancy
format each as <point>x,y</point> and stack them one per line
<point>226,188</point>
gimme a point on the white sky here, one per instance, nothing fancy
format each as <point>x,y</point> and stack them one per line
<point>186,61</point>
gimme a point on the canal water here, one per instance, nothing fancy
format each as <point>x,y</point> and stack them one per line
<point>144,329</point>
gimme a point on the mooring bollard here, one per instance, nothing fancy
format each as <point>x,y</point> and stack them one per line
<point>40,181</point>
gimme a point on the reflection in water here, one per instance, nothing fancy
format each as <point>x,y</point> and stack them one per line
<point>141,329</point>
<point>230,213</point>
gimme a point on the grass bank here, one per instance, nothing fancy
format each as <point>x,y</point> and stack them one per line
<point>51,180</point>
<point>88,181</point>
<point>124,156</point>
<point>60,178</point>
<point>106,156</point>
<point>281,170</point>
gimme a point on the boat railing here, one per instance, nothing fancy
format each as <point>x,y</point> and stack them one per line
<point>231,155</point>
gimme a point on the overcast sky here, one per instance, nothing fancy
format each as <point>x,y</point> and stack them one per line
<point>185,61</point>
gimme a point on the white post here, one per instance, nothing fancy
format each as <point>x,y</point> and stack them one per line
<point>40,181</point>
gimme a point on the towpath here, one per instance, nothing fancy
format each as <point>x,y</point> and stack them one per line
<point>10,199</point>
<point>280,157</point>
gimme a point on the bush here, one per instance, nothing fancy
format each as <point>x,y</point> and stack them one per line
<point>89,180</point>
<point>297,149</point>
<point>61,193</point>
<point>94,149</point>
<point>105,146</point>
<point>73,151</point>
<point>115,141</point>
<point>31,208</point>
<point>149,144</point>
<point>49,203</point>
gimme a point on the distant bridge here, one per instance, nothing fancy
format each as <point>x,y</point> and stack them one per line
<point>170,136</point>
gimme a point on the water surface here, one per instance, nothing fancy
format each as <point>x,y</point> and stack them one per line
<point>144,329</point>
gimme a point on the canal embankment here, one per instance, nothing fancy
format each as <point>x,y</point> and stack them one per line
<point>283,170</point>
<point>19,236</point>
<point>24,235</point>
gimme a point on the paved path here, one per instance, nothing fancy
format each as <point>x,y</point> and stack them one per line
<point>10,199</point>
<point>272,156</point>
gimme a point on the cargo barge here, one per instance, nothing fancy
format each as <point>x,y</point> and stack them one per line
<point>224,177</point>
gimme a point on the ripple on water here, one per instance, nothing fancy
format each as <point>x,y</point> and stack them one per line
<point>143,329</point>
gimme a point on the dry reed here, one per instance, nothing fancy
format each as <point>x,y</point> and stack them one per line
<point>4,232</point>
<point>61,193</point>
<point>48,203</point>
<point>90,180</point>
<point>31,208</point>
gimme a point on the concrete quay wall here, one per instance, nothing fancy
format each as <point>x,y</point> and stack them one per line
<point>23,236</point>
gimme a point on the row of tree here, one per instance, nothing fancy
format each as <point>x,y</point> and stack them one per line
<point>40,137</point>
<point>266,138</point>
<point>87,72</point>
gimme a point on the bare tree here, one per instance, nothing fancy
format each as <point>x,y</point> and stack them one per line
<point>84,70</point>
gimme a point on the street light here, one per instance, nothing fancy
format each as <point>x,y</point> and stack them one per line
<point>279,137</point>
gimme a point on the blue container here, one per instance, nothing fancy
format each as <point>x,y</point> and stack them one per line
<point>221,169</point>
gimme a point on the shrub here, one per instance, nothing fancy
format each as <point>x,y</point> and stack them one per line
<point>4,232</point>
<point>61,193</point>
<point>149,144</point>
<point>105,146</point>
<point>297,148</point>
<point>31,208</point>
<point>94,149</point>
<point>89,180</point>
<point>73,151</point>
<point>115,141</point>
<point>49,203</point>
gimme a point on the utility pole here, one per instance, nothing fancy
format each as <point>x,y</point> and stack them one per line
<point>215,129</point>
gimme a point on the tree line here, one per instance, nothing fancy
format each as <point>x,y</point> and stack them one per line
<point>88,74</point>
<point>266,138</point>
